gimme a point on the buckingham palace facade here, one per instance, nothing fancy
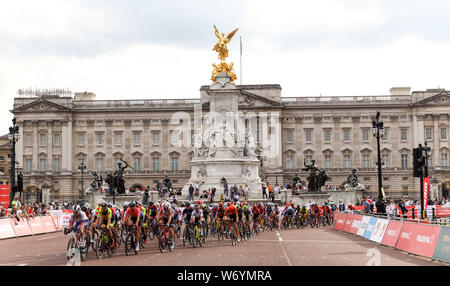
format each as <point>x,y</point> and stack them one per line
<point>58,131</point>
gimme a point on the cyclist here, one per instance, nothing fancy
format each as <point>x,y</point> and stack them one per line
<point>133,215</point>
<point>165,216</point>
<point>315,211</point>
<point>256,214</point>
<point>206,214</point>
<point>232,216</point>
<point>220,214</point>
<point>247,215</point>
<point>196,215</point>
<point>78,221</point>
<point>288,212</point>
<point>105,217</point>
<point>326,210</point>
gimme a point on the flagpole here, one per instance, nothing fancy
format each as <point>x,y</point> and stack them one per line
<point>240,65</point>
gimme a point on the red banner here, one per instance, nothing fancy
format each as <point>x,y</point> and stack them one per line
<point>340,222</point>
<point>424,240</point>
<point>406,236</point>
<point>426,191</point>
<point>21,228</point>
<point>355,223</point>
<point>392,233</point>
<point>348,223</point>
<point>5,191</point>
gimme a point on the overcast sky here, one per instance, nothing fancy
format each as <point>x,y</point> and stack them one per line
<point>138,49</point>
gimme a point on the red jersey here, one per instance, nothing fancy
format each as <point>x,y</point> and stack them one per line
<point>135,213</point>
<point>231,210</point>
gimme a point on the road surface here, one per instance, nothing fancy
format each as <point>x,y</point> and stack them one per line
<point>299,247</point>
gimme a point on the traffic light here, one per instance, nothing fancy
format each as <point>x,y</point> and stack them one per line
<point>20,182</point>
<point>418,161</point>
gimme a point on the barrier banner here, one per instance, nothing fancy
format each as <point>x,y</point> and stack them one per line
<point>379,230</point>
<point>356,223</point>
<point>6,229</point>
<point>363,226</point>
<point>56,221</point>
<point>426,190</point>
<point>48,223</point>
<point>21,228</point>
<point>442,251</point>
<point>4,196</point>
<point>36,225</point>
<point>424,240</point>
<point>370,227</point>
<point>64,219</point>
<point>406,236</point>
<point>340,221</point>
<point>348,223</point>
<point>392,233</point>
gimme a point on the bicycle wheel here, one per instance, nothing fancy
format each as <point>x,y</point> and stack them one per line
<point>178,228</point>
<point>93,240</point>
<point>185,237</point>
<point>119,237</point>
<point>71,248</point>
<point>129,243</point>
<point>99,247</point>
<point>162,243</point>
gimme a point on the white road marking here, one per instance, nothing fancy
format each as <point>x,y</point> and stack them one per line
<point>24,264</point>
<point>305,240</point>
<point>282,248</point>
<point>45,238</point>
<point>153,256</point>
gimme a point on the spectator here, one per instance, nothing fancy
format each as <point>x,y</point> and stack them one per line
<point>213,194</point>
<point>191,192</point>
<point>341,206</point>
<point>390,209</point>
<point>402,207</point>
<point>366,205</point>
<point>246,191</point>
<point>2,211</point>
<point>264,193</point>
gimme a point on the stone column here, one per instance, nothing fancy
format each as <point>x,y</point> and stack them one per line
<point>19,145</point>
<point>50,146</point>
<point>436,140</point>
<point>35,124</point>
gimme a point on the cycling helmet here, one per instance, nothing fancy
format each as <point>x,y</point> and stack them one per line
<point>245,207</point>
<point>187,204</point>
<point>197,206</point>
<point>174,206</point>
<point>220,204</point>
<point>87,205</point>
<point>76,209</point>
<point>215,205</point>
<point>126,204</point>
<point>132,204</point>
<point>166,205</point>
<point>84,208</point>
<point>229,203</point>
<point>104,205</point>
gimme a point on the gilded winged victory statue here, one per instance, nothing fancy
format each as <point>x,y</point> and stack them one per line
<point>221,47</point>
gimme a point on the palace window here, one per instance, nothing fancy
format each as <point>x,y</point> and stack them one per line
<point>347,161</point>
<point>28,139</point>
<point>308,135</point>
<point>118,138</point>
<point>137,164</point>
<point>155,164</point>
<point>385,160</point>
<point>174,164</point>
<point>289,136</point>
<point>42,165</point>
<point>366,161</point>
<point>28,165</point>
<point>365,134</point>
<point>137,138</point>
<point>403,134</point>
<point>290,162</point>
<point>444,159</point>
<point>99,138</point>
<point>43,139</point>
<point>444,133</point>
<point>346,135</point>
<point>56,139</point>
<point>155,138</point>
<point>328,161</point>
<point>80,138</point>
<point>57,165</point>
<point>429,133</point>
<point>404,161</point>
<point>327,135</point>
<point>99,164</point>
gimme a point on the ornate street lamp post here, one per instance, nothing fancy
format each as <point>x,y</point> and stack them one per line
<point>13,137</point>
<point>378,132</point>
<point>81,168</point>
